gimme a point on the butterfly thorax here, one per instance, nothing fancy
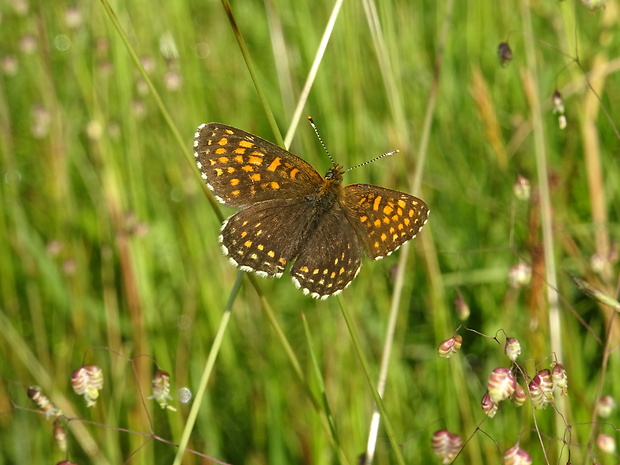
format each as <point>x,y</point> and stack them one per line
<point>329,192</point>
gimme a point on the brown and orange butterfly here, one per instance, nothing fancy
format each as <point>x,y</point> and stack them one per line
<point>290,213</point>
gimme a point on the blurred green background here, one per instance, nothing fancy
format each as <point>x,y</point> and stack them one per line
<point>108,243</point>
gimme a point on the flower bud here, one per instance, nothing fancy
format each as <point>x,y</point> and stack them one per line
<point>504,53</point>
<point>461,307</point>
<point>87,381</point>
<point>520,275</point>
<point>605,406</point>
<point>161,389</point>
<point>606,443</point>
<point>522,189</point>
<point>519,397</point>
<point>562,122</point>
<point>546,383</point>
<point>488,406</point>
<point>512,349</point>
<point>517,456</point>
<point>40,400</point>
<point>559,377</point>
<point>501,384</point>
<point>594,5</point>
<point>446,445</point>
<point>60,435</point>
<point>539,392</point>
<point>558,103</point>
<point>450,346</point>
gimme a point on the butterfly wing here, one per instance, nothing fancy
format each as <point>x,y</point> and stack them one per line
<point>384,219</point>
<point>331,257</point>
<point>242,169</point>
<point>264,237</point>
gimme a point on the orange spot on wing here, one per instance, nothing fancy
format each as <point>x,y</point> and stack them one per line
<point>274,164</point>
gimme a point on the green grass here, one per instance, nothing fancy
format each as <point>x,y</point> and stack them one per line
<point>108,240</point>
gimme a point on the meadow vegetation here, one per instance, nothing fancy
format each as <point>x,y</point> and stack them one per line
<point>108,236</point>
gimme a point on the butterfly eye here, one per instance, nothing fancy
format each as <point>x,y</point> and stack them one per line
<point>335,172</point>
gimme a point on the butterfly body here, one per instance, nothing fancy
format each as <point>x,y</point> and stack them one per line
<point>290,213</point>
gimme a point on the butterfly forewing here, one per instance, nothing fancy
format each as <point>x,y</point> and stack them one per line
<point>384,219</point>
<point>242,169</point>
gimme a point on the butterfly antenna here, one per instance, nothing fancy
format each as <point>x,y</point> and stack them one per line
<point>311,121</point>
<point>387,154</point>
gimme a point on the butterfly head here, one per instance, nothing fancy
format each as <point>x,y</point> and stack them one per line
<point>334,174</point>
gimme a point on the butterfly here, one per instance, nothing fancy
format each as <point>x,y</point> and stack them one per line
<point>290,213</point>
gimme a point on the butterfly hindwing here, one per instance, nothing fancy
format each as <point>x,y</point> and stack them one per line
<point>330,259</point>
<point>384,219</point>
<point>264,237</point>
